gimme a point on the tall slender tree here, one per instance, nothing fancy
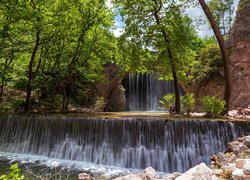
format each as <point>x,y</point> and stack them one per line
<point>221,42</point>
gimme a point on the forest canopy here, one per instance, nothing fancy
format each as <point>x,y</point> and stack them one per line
<point>53,53</point>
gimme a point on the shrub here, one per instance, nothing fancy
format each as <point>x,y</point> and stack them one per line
<point>14,173</point>
<point>99,104</point>
<point>167,102</point>
<point>187,102</point>
<point>213,106</point>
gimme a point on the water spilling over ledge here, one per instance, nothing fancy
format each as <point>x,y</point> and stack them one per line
<point>143,92</point>
<point>166,145</point>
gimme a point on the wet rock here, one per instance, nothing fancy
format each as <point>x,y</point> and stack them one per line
<point>235,147</point>
<point>198,172</point>
<point>247,141</point>
<point>221,159</point>
<point>229,167</point>
<point>231,158</point>
<point>240,139</point>
<point>172,176</point>
<point>150,172</point>
<point>237,174</point>
<point>246,177</point>
<point>134,176</point>
<point>84,176</point>
<point>240,163</point>
<point>246,168</point>
<point>218,171</point>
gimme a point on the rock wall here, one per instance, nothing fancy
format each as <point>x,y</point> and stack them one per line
<point>111,89</point>
<point>238,45</point>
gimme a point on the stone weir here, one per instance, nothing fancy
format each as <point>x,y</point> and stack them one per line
<point>166,145</point>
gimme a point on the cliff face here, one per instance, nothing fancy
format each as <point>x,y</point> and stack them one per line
<point>238,45</point>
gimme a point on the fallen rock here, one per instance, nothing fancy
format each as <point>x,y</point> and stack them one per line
<point>84,176</point>
<point>221,159</point>
<point>247,141</point>
<point>237,174</point>
<point>235,147</point>
<point>240,163</point>
<point>246,168</point>
<point>231,158</point>
<point>217,171</point>
<point>240,139</point>
<point>150,172</point>
<point>229,167</point>
<point>246,177</point>
<point>172,176</point>
<point>198,172</point>
<point>134,176</point>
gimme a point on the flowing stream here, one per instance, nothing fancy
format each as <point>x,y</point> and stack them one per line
<point>166,145</point>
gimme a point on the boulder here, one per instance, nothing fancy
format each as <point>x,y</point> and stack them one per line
<point>221,159</point>
<point>237,174</point>
<point>240,163</point>
<point>198,172</point>
<point>84,176</point>
<point>134,176</point>
<point>247,141</point>
<point>229,167</point>
<point>148,174</point>
<point>245,177</point>
<point>246,168</point>
<point>218,172</point>
<point>240,139</point>
<point>172,176</point>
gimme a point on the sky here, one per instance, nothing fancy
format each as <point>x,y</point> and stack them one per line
<point>196,12</point>
<point>192,12</point>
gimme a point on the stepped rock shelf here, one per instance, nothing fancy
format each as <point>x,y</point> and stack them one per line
<point>135,143</point>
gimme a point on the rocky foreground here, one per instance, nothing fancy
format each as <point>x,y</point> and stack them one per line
<point>233,163</point>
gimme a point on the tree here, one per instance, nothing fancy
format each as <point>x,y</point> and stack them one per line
<point>160,27</point>
<point>220,39</point>
<point>223,13</point>
<point>35,13</point>
<point>8,46</point>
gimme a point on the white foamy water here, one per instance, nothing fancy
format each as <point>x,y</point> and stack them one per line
<point>106,171</point>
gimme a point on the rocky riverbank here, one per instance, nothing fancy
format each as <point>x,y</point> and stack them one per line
<point>233,163</point>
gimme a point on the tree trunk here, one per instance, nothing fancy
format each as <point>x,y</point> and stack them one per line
<point>176,87</point>
<point>3,81</point>
<point>171,59</point>
<point>220,39</point>
<point>30,76</point>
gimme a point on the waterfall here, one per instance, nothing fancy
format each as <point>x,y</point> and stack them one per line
<point>143,92</point>
<point>166,145</point>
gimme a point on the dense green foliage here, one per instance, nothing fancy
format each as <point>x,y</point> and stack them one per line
<point>167,102</point>
<point>14,174</point>
<point>187,102</point>
<point>207,65</point>
<point>213,106</point>
<point>55,47</point>
<point>53,53</point>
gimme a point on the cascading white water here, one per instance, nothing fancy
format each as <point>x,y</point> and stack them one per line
<point>165,145</point>
<point>143,92</point>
